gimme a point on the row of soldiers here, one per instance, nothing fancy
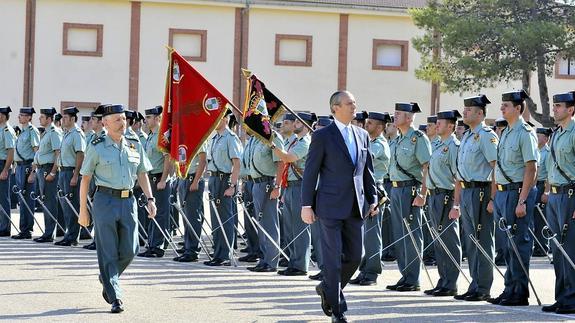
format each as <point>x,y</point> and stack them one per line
<point>483,180</point>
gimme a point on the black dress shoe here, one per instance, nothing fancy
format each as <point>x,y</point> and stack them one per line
<point>249,258</point>
<point>324,304</point>
<point>181,243</point>
<point>117,306</point>
<point>22,235</point>
<point>339,318</point>
<point>43,240</point>
<point>66,243</point>
<point>496,300</point>
<point>407,288</point>
<point>477,297</point>
<point>318,276</point>
<point>388,258</point>
<point>152,253</point>
<point>263,269</point>
<point>292,272</point>
<point>393,287</point>
<point>91,246</point>
<point>565,310</point>
<point>461,297</point>
<point>367,282</point>
<point>186,258</point>
<point>283,262</point>
<point>356,280</point>
<point>445,292</point>
<point>514,302</point>
<point>5,234</point>
<point>551,308</point>
<point>431,291</point>
<point>216,262</point>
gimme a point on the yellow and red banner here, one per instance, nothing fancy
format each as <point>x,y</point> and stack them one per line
<point>193,107</point>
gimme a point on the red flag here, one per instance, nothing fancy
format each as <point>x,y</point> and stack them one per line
<point>193,107</point>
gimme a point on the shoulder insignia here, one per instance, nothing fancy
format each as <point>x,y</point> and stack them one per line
<point>414,139</point>
<point>419,133</point>
<point>52,127</point>
<point>476,137</point>
<point>527,127</point>
<point>445,149</point>
<point>98,140</point>
<point>7,129</point>
<point>493,140</point>
<point>487,129</point>
<point>133,139</point>
<point>31,127</point>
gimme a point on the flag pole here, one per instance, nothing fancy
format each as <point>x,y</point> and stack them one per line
<point>247,74</point>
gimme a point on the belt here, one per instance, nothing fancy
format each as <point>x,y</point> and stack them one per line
<point>123,194</point>
<point>474,184</point>
<point>436,191</point>
<point>47,165</point>
<point>562,189</point>
<point>24,162</point>
<point>295,182</point>
<point>262,179</point>
<point>405,183</point>
<point>219,174</point>
<point>67,168</point>
<point>509,187</point>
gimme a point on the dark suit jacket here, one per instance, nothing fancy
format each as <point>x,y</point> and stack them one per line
<point>339,180</point>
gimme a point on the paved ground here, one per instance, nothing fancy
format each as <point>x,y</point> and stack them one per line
<point>40,282</point>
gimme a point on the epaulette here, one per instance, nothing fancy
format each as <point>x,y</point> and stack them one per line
<point>527,127</point>
<point>31,127</point>
<point>487,129</point>
<point>6,129</point>
<point>132,139</point>
<point>419,133</point>
<point>98,140</point>
<point>52,127</point>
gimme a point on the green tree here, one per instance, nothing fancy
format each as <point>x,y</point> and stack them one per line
<point>472,44</point>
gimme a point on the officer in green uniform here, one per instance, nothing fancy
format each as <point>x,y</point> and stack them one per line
<point>543,135</point>
<point>388,253</point>
<point>253,246</point>
<point>432,131</point>
<point>137,127</point>
<point>442,191</point>
<point>560,201</point>
<point>516,175</point>
<point>71,158</point>
<point>130,119</point>
<point>191,192</point>
<point>46,170</point>
<point>294,157</point>
<point>475,162</point>
<point>408,167</point>
<point>224,156</point>
<point>26,145</point>
<point>7,144</point>
<point>266,171</point>
<point>115,162</point>
<point>86,125</point>
<point>370,266</point>
<point>161,183</point>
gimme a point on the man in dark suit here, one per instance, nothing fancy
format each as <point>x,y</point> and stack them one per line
<point>338,156</point>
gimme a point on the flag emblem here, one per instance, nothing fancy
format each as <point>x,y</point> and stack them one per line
<point>212,104</point>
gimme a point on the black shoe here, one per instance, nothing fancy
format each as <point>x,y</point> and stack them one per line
<point>429,262</point>
<point>496,300</point>
<point>462,297</point>
<point>117,306</point>
<point>407,288</point>
<point>22,235</point>
<point>292,272</point>
<point>5,234</point>
<point>91,246</point>
<point>339,318</point>
<point>262,269</point>
<point>367,282</point>
<point>181,243</point>
<point>551,308</point>
<point>445,292</point>
<point>565,310</point>
<point>66,243</point>
<point>283,263</point>
<point>249,258</point>
<point>318,276</point>
<point>324,304</point>
<point>84,236</point>
<point>43,240</point>
<point>181,250</point>
<point>394,286</point>
<point>186,258</point>
<point>217,262</point>
<point>152,253</point>
<point>477,297</point>
<point>431,291</point>
<point>388,258</point>
<point>514,302</point>
<point>356,280</point>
